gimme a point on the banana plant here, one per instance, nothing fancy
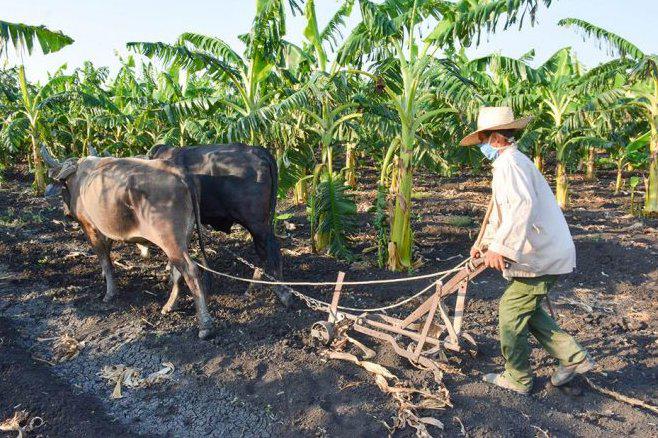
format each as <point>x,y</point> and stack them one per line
<point>23,37</point>
<point>13,129</point>
<point>332,209</point>
<point>185,107</point>
<point>248,77</point>
<point>89,103</point>
<point>139,124</point>
<point>296,69</point>
<point>645,92</point>
<point>643,69</point>
<point>325,121</point>
<point>627,152</point>
<point>318,39</point>
<point>633,182</point>
<point>31,115</point>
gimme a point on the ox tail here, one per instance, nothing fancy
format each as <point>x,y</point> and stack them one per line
<point>274,174</point>
<point>193,187</point>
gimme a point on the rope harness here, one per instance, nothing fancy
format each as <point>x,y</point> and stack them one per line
<point>319,305</point>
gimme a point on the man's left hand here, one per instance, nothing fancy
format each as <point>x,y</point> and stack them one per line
<point>494,260</point>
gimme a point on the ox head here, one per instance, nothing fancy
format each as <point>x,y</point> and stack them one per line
<point>59,171</point>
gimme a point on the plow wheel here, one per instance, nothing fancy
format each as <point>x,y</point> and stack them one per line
<point>323,332</point>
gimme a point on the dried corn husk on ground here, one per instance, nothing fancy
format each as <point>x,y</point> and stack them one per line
<point>19,423</point>
<point>409,400</point>
<point>66,347</point>
<point>122,375</point>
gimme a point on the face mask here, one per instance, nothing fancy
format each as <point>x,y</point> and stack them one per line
<point>489,151</point>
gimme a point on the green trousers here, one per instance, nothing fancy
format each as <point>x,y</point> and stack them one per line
<point>520,313</point>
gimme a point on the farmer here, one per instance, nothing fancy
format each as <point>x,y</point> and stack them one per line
<point>527,239</point>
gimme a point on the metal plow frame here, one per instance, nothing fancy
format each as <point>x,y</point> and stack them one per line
<point>429,333</point>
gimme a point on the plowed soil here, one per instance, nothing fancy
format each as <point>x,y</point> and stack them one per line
<point>261,376</point>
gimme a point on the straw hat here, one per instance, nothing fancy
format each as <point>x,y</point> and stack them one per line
<point>494,118</point>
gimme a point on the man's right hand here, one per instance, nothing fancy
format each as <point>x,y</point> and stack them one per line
<point>476,253</point>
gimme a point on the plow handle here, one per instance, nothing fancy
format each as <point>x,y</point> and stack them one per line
<point>485,221</point>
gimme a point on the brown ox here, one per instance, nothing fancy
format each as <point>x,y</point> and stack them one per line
<point>137,201</point>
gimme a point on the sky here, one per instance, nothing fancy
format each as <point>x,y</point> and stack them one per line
<point>101,28</point>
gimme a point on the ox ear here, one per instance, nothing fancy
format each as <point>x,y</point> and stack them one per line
<point>92,151</point>
<point>52,190</point>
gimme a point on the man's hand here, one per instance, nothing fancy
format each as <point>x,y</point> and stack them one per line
<point>476,253</point>
<point>494,260</point>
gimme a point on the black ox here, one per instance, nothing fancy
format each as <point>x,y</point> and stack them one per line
<point>237,184</point>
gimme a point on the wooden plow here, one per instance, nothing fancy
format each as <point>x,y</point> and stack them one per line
<point>427,330</point>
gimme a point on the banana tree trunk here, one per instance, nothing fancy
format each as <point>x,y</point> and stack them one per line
<point>539,162</point>
<point>300,192</point>
<point>39,169</point>
<point>562,186</point>
<point>651,200</point>
<point>401,240</point>
<point>312,210</point>
<point>323,239</point>
<point>84,150</point>
<point>590,173</point>
<point>651,186</point>
<point>181,138</point>
<point>350,165</point>
<point>619,182</point>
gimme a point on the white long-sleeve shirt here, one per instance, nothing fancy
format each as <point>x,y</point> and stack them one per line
<point>526,225</point>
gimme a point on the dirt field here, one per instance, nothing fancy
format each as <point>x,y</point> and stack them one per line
<point>261,376</point>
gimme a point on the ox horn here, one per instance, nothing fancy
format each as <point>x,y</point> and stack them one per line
<point>49,159</point>
<point>92,151</point>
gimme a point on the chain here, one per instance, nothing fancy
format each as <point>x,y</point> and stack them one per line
<point>311,303</point>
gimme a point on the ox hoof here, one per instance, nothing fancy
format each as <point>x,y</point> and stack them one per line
<point>206,328</point>
<point>251,289</point>
<point>108,297</point>
<point>205,334</point>
<point>284,295</point>
<point>168,308</point>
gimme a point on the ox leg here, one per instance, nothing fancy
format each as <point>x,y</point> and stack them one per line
<point>275,264</point>
<point>108,269</point>
<point>269,252</point>
<point>192,276</point>
<point>175,289</point>
<point>102,247</point>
